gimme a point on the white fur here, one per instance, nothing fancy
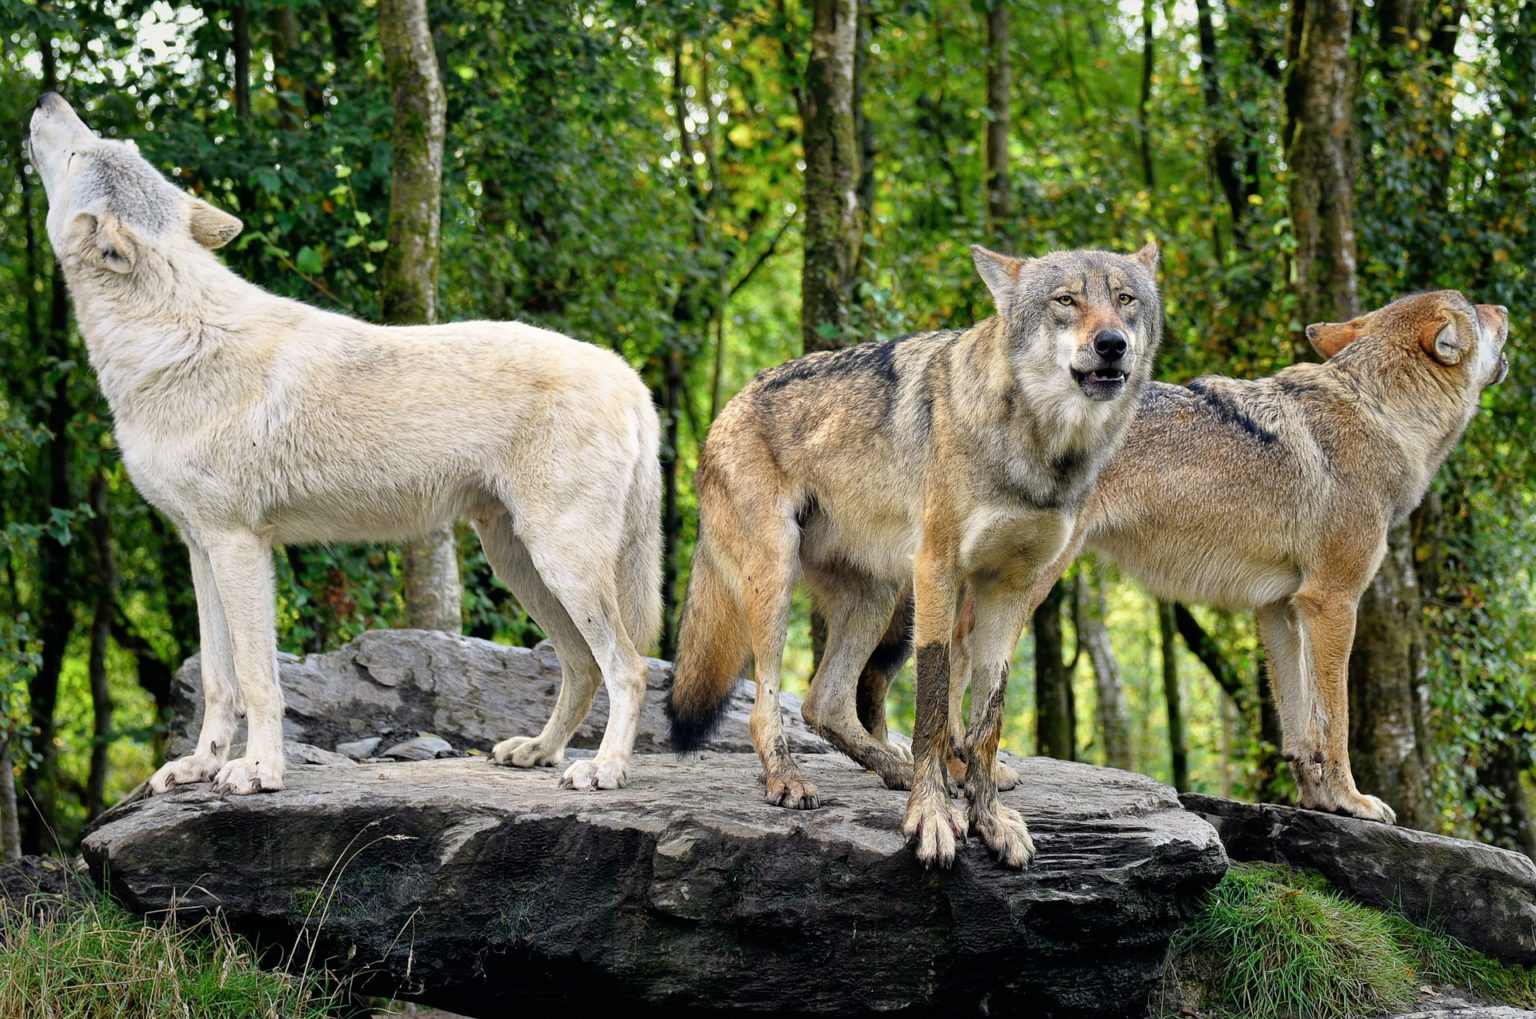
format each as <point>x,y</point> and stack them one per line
<point>253,421</point>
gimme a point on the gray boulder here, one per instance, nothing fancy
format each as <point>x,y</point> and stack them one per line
<point>397,684</point>
<point>485,889</point>
<point>1481,895</point>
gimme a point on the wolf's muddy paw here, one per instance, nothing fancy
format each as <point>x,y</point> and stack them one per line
<point>1005,777</point>
<point>1005,833</point>
<point>525,752</point>
<point>246,775</point>
<point>189,770</point>
<point>901,753</point>
<point>934,825</point>
<point>585,776</point>
<point>793,792</point>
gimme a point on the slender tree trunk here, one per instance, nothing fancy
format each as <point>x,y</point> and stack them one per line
<point>1224,158</point>
<point>1386,724</point>
<point>999,90</point>
<point>240,44</point>
<point>832,219</point>
<point>105,589</point>
<point>1144,108</point>
<point>1112,717</point>
<point>1054,710</point>
<point>1178,751</point>
<point>434,593</point>
<point>10,829</point>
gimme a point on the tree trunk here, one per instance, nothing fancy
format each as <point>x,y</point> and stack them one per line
<point>999,88</point>
<point>1386,726</point>
<point>240,44</point>
<point>1224,159</point>
<point>1111,716</point>
<point>1178,752</point>
<point>104,584</point>
<point>433,591</point>
<point>832,220</point>
<point>10,829</point>
<point>1054,709</point>
<point>1143,109</point>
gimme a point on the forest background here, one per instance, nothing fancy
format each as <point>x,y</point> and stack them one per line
<point>712,188</point>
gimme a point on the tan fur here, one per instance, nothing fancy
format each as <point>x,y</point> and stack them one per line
<point>924,464</point>
<point>1289,513</point>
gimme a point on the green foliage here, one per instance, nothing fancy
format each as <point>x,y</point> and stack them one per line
<point>95,958</point>
<point>1274,943</point>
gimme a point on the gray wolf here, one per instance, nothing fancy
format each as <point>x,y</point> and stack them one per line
<point>253,421</point>
<point>1277,495</point>
<point>942,460</point>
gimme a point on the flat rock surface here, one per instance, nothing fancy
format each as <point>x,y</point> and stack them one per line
<point>472,693</point>
<point>1482,895</point>
<point>482,889</point>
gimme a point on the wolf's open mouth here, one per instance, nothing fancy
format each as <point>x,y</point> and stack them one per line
<point>1100,385</point>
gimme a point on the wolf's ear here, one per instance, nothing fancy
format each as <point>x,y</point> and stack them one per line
<point>1328,338</point>
<point>999,273</point>
<point>107,242</point>
<point>1440,341</point>
<point>1148,256</point>
<point>213,228</point>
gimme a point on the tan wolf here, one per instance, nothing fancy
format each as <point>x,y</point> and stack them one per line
<point>962,455</point>
<point>1277,495</point>
<point>253,421</point>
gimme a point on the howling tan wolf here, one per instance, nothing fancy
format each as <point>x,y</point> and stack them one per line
<point>961,455</point>
<point>253,421</point>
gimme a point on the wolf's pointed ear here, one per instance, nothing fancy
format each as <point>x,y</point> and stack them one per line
<point>213,228</point>
<point>106,242</point>
<point>1441,341</point>
<point>999,273</point>
<point>1148,256</point>
<point>1328,338</point>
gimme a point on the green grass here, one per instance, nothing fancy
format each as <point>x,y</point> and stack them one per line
<point>95,959</point>
<point>1273,943</point>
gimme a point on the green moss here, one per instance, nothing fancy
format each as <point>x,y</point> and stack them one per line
<point>97,959</point>
<point>1274,943</point>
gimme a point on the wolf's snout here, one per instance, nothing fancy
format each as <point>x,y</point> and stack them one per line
<point>1109,344</point>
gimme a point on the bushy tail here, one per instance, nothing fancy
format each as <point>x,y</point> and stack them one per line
<point>639,579</point>
<point>711,648</point>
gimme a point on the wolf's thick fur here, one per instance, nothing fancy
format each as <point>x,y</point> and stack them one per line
<point>967,451</point>
<point>253,421</point>
<point>1277,495</point>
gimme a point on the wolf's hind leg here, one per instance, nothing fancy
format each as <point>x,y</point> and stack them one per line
<point>875,679</point>
<point>579,674</point>
<point>221,692</point>
<point>857,610</point>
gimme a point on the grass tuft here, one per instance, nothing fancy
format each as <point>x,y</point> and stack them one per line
<point>1274,943</point>
<point>95,958</point>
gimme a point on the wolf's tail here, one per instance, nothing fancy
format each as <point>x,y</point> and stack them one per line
<point>711,648</point>
<point>639,575</point>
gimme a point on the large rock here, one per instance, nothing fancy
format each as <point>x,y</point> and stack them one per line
<point>472,693</point>
<point>486,889</point>
<point>1481,895</point>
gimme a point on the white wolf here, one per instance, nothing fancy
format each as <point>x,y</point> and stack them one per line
<point>253,421</point>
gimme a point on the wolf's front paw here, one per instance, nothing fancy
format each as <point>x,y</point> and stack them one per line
<point>246,775</point>
<point>1367,808</point>
<point>934,824</point>
<point>791,791</point>
<point>1005,834</point>
<point>594,774</point>
<point>1005,777</point>
<point>526,752</point>
<point>189,770</point>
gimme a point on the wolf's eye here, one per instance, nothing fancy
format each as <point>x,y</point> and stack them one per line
<point>1126,298</point>
<point>1065,300</point>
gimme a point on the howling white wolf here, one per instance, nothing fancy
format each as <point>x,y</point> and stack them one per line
<point>253,421</point>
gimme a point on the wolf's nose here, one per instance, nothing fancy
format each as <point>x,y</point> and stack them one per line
<point>48,99</point>
<point>1109,344</point>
